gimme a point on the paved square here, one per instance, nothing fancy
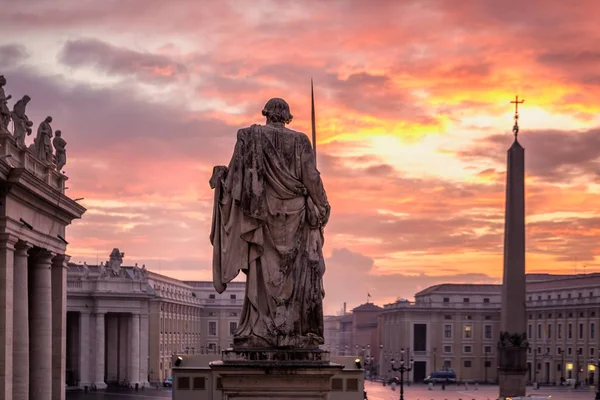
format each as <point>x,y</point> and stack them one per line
<point>376,391</point>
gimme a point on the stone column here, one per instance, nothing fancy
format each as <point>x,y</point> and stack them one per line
<point>134,350</point>
<point>40,332</point>
<point>100,359</point>
<point>144,332</point>
<point>7,243</point>
<point>59,325</point>
<point>84,349</point>
<point>112,347</point>
<point>21,324</point>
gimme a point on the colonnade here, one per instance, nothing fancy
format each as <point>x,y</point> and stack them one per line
<point>33,301</point>
<point>109,347</point>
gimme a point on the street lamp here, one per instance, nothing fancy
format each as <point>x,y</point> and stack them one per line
<point>402,369</point>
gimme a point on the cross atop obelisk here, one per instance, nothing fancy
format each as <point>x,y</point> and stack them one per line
<point>516,102</point>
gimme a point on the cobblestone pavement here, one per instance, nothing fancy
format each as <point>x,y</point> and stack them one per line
<point>376,391</point>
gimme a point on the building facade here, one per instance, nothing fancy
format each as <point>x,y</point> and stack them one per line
<point>124,323</point>
<point>457,326</point>
<point>34,213</point>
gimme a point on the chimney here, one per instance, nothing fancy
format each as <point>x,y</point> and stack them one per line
<point>344,308</point>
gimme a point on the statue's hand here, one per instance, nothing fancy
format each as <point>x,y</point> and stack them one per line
<point>219,172</point>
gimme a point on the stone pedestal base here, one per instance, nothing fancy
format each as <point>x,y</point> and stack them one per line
<point>275,374</point>
<point>512,384</point>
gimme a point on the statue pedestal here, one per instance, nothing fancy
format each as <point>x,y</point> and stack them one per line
<point>296,374</point>
<point>512,371</point>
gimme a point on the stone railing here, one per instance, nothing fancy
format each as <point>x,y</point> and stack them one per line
<point>21,157</point>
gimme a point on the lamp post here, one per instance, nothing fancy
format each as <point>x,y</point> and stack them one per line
<point>380,361</point>
<point>434,357</point>
<point>402,369</point>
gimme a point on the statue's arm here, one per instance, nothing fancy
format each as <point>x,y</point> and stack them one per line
<point>311,178</point>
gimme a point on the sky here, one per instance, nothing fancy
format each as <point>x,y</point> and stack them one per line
<point>412,113</point>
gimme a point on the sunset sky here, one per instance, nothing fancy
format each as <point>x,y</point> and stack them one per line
<point>413,121</point>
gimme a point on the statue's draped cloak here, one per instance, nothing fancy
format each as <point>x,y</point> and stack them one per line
<point>268,209</point>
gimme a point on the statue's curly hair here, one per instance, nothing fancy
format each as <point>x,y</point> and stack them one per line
<point>277,110</point>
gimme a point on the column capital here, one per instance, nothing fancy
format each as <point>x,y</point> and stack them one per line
<point>22,247</point>
<point>8,241</point>
<point>41,257</point>
<point>61,261</point>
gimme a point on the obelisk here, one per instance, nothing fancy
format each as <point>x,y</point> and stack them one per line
<point>512,348</point>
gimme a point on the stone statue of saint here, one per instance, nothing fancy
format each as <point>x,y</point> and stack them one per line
<point>61,154</point>
<point>22,123</point>
<point>115,261</point>
<point>43,141</point>
<point>4,111</point>
<point>270,208</point>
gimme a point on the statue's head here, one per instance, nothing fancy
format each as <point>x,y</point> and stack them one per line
<point>57,133</point>
<point>26,99</point>
<point>48,119</point>
<point>277,110</point>
<point>2,80</point>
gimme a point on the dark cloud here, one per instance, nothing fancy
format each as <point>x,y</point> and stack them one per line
<point>115,60</point>
<point>11,55</point>
<point>555,156</point>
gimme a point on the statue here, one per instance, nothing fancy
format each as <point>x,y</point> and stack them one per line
<point>42,143</point>
<point>61,154</point>
<point>144,271</point>
<point>115,261</point>
<point>21,122</point>
<point>4,111</point>
<point>269,210</point>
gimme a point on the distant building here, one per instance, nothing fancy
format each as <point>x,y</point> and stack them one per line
<point>124,323</point>
<point>457,326</point>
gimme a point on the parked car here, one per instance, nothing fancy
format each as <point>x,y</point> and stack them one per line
<point>168,382</point>
<point>441,377</point>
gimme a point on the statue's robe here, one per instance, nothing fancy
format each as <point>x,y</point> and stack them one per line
<point>269,210</point>
<point>43,143</point>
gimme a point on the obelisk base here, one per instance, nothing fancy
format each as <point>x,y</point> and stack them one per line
<point>275,374</point>
<point>512,371</point>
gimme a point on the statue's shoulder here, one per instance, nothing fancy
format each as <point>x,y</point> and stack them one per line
<point>300,136</point>
<point>245,132</point>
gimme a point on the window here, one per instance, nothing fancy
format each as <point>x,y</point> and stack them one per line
<point>487,349</point>
<point>447,331</point>
<point>199,383</point>
<point>212,314</point>
<point>570,331</point>
<point>351,385</point>
<point>232,328</point>
<point>233,314</point>
<point>549,333</point>
<point>569,351</point>
<point>183,383</point>
<point>569,295</point>
<point>337,385</point>
<point>419,337</point>
<point>447,364</point>
<point>447,349</point>
<point>559,333</point>
<point>468,334</point>
<point>529,335</point>
<point>530,298</point>
<point>468,317</point>
<point>487,333</point>
<point>486,300</point>
<point>591,294</point>
<point>539,331</point>
<point>467,364</point>
<point>212,346</point>
<point>212,328</point>
<point>582,315</point>
<point>549,297</point>
<point>592,330</point>
<point>579,295</point>
<point>446,299</point>
<point>447,316</point>
<point>550,315</point>
<point>580,331</point>
<point>211,296</point>
<point>570,315</point>
<point>466,300</point>
<point>539,297</point>
<point>558,296</point>
<point>233,297</point>
<point>488,364</point>
<point>467,349</point>
<point>488,317</point>
<point>558,351</point>
<point>591,352</point>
